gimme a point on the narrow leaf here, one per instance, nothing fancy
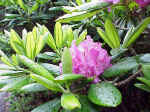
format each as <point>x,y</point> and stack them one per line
<point>66,61</point>
<point>46,83</point>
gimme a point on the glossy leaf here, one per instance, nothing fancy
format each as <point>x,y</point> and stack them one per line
<point>105,37</point>
<point>104,94</point>
<point>144,80</point>
<point>50,41</point>
<point>54,69</point>
<point>137,32</point>
<point>82,37</point>
<point>30,46</point>
<point>47,55</point>
<point>16,43</point>
<point>91,6</point>
<point>146,70</point>
<point>58,35</point>
<point>68,36</point>
<point>142,86</point>
<point>5,59</point>
<point>68,77</point>
<point>16,85</point>
<point>86,106</point>
<point>34,87</point>
<point>35,68</point>
<point>145,58</point>
<point>66,61</point>
<point>79,2</point>
<point>121,68</point>
<point>42,35</point>
<point>69,101</point>
<point>9,72</point>
<point>112,33</point>
<point>46,83</point>
<point>78,16</point>
<point>51,106</point>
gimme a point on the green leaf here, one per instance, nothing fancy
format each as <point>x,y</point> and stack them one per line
<point>69,101</point>
<point>127,37</point>
<point>78,16</point>
<point>86,106</point>
<point>104,94</point>
<point>21,4</point>
<point>16,85</point>
<point>105,37</point>
<point>81,37</point>
<point>35,7</point>
<point>146,70</point>
<point>68,77</point>
<point>79,2</point>
<point>142,86</point>
<point>144,80</point>
<point>145,58</point>
<point>121,68</point>
<point>34,87</point>
<point>47,55</point>
<point>4,80</point>
<point>66,61</point>
<point>9,72</point>
<point>137,32</point>
<point>30,46</point>
<point>68,36</point>
<point>58,35</point>
<point>5,59</point>
<point>112,33</point>
<point>117,51</point>
<point>91,6</point>
<point>11,16</point>
<point>54,69</point>
<point>16,42</point>
<point>35,68</point>
<point>6,67</point>
<point>51,106</point>
<point>15,60</point>
<point>41,39</point>
<point>46,83</point>
<point>50,41</point>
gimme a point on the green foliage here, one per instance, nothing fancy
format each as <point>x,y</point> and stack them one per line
<point>31,43</point>
<point>66,61</point>
<point>121,68</point>
<point>68,77</point>
<point>4,44</point>
<point>83,11</point>
<point>63,37</point>
<point>34,87</point>
<point>27,13</point>
<point>51,106</point>
<point>69,101</point>
<point>104,94</point>
<point>111,36</point>
<point>133,34</point>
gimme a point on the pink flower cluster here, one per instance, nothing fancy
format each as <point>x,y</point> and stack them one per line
<point>143,3</point>
<point>112,1</point>
<point>89,58</point>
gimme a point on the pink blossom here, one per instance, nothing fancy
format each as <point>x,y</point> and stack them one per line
<point>143,3</point>
<point>89,58</point>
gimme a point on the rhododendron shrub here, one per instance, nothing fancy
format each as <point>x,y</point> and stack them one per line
<point>89,58</point>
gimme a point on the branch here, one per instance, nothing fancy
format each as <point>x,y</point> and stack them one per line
<point>128,79</point>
